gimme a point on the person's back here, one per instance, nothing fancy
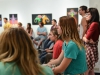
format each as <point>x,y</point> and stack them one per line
<point>18,55</point>
<point>13,69</point>
<point>57,49</point>
<point>78,56</point>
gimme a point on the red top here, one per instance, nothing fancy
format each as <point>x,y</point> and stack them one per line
<point>93,32</point>
<point>57,49</point>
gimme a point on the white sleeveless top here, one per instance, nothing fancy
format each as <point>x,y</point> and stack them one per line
<point>81,29</point>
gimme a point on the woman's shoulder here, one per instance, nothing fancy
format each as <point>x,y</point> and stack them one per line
<point>1,65</point>
<point>8,67</point>
<point>47,70</point>
<point>94,23</point>
<point>71,42</point>
<point>59,42</point>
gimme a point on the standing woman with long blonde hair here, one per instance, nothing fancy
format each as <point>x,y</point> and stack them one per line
<point>18,56</point>
<point>91,39</point>
<point>72,59</point>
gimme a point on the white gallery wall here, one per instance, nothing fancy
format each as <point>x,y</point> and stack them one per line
<point>25,9</point>
<point>96,4</point>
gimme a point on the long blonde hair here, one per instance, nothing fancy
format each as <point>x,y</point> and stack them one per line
<point>16,46</point>
<point>69,30</point>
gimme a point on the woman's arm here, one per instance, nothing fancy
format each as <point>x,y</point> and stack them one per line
<point>31,32</point>
<point>48,50</point>
<point>91,31</point>
<point>64,64</point>
<point>85,39</point>
<point>58,60</point>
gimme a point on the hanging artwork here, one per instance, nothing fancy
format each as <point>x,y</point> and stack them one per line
<point>13,19</point>
<point>0,20</point>
<point>73,12</point>
<point>45,18</point>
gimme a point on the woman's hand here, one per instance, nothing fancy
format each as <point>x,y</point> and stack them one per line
<point>52,60</point>
<point>48,50</point>
<point>85,39</point>
<point>92,42</point>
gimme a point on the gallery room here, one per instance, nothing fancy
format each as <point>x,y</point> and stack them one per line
<point>49,37</point>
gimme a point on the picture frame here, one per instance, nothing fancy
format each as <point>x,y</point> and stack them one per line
<point>45,18</point>
<point>73,12</point>
<point>13,18</point>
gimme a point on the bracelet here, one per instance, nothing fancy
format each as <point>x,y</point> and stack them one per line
<point>53,66</point>
<point>53,69</point>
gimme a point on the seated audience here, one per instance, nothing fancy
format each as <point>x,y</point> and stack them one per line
<point>20,25</point>
<point>48,42</point>
<point>42,35</point>
<point>18,56</point>
<point>72,60</point>
<point>29,30</point>
<point>54,36</point>
<point>54,24</point>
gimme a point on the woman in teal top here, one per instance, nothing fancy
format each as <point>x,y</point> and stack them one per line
<point>11,69</point>
<point>18,56</point>
<point>72,59</point>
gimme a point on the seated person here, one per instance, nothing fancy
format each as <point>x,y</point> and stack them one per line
<point>56,48</point>
<point>20,25</point>
<point>29,30</point>
<point>72,60</point>
<point>54,24</point>
<point>42,34</point>
<point>18,55</point>
<point>48,41</point>
<point>7,24</point>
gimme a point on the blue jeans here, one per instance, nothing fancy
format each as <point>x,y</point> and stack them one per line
<point>42,57</point>
<point>47,43</point>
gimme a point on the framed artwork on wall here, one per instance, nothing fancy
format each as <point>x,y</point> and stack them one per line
<point>45,18</point>
<point>73,12</point>
<point>0,20</point>
<point>13,18</point>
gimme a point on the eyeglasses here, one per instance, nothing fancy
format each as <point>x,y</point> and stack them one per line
<point>87,14</point>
